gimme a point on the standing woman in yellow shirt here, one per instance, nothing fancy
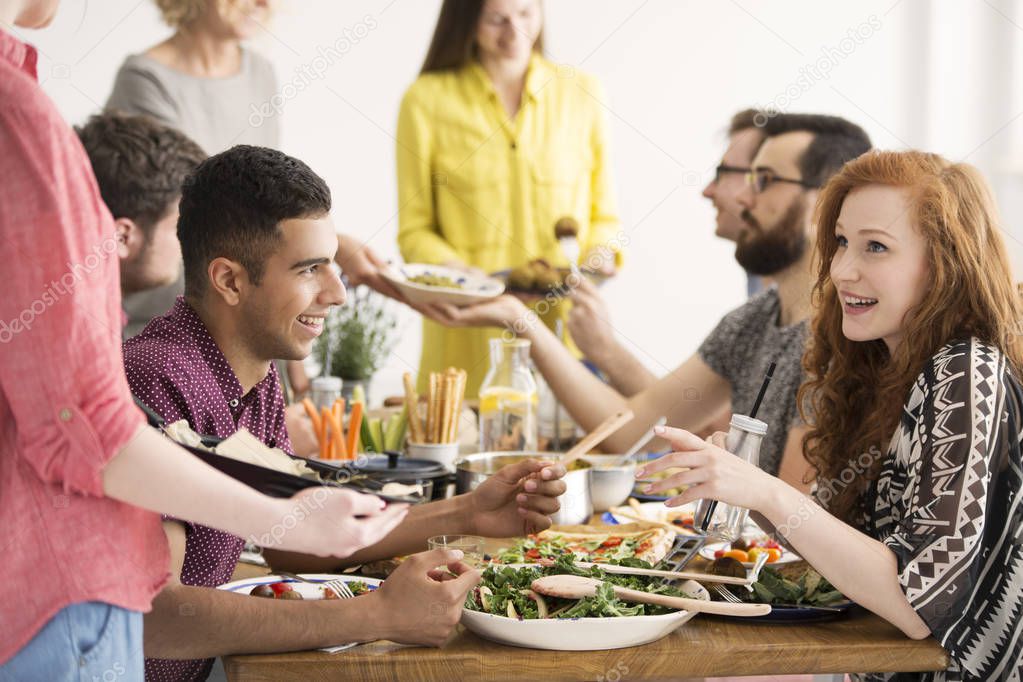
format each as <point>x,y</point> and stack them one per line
<point>495,144</point>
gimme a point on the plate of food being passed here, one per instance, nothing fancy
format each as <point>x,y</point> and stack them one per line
<point>425,283</point>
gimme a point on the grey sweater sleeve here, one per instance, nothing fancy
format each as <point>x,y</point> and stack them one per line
<point>138,90</point>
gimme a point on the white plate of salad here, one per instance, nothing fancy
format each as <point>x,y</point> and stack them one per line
<point>503,609</point>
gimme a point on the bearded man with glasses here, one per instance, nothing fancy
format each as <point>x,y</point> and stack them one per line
<point>774,206</point>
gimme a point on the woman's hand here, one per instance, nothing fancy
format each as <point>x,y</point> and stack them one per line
<point>589,322</point>
<point>361,265</point>
<point>711,472</point>
<point>500,311</point>
<point>331,522</point>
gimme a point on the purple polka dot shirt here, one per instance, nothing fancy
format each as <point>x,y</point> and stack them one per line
<point>175,367</point>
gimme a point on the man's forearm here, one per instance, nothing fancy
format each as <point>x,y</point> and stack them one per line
<point>627,374</point>
<point>423,521</point>
<point>202,622</point>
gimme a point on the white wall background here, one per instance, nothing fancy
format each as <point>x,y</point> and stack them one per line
<point>940,76</point>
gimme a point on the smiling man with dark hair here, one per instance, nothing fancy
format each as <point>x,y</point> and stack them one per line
<point>259,247</point>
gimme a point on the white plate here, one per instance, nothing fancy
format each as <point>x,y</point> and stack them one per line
<point>305,589</point>
<point>787,557</point>
<point>580,634</point>
<point>475,288</point>
<point>654,511</point>
<point>310,592</point>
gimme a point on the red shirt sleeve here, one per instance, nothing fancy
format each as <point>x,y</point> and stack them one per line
<point>61,380</point>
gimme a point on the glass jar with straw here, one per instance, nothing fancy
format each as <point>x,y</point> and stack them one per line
<point>745,435</point>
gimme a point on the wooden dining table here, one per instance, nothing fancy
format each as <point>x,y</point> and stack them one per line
<point>706,646</point>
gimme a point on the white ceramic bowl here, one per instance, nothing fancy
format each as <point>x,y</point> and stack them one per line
<point>581,634</point>
<point>611,482</point>
<point>442,453</point>
<point>474,288</point>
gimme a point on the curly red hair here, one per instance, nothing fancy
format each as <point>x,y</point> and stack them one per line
<point>855,390</point>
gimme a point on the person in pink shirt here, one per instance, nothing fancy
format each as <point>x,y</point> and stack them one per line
<point>82,479</point>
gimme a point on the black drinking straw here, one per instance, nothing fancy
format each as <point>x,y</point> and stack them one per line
<point>705,524</point>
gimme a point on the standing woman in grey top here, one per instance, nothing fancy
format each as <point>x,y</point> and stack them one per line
<point>205,83</point>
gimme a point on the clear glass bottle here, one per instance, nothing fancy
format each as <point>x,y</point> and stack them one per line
<point>508,399</point>
<point>744,438</point>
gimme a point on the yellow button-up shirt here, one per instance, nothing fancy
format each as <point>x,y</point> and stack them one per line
<point>477,186</point>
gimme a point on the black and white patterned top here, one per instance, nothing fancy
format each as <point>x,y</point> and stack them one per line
<point>740,349</point>
<point>948,504</point>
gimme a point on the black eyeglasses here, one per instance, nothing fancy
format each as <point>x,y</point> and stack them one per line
<point>762,178</point>
<point>724,169</point>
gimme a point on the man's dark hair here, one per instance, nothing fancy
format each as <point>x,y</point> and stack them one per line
<point>139,164</point>
<point>746,119</point>
<point>232,204</point>
<point>836,141</point>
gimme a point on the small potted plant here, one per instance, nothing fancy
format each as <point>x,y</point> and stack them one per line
<point>357,339</point>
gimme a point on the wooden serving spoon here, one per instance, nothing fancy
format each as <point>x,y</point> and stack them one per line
<point>670,575</point>
<point>578,587</point>
<point>605,429</point>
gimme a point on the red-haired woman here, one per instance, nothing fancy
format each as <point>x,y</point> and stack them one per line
<point>914,386</point>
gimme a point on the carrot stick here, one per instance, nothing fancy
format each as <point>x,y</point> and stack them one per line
<point>314,417</point>
<point>354,424</point>
<point>338,437</point>
<point>325,452</point>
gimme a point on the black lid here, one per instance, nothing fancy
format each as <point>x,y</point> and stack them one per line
<point>401,468</point>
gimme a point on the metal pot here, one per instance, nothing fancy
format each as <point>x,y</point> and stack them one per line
<point>393,467</point>
<point>576,505</point>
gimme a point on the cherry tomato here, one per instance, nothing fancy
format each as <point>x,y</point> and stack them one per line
<point>752,544</point>
<point>279,588</point>
<point>737,554</point>
<point>533,554</point>
<point>718,554</point>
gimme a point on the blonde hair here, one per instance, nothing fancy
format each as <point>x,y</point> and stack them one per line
<point>178,13</point>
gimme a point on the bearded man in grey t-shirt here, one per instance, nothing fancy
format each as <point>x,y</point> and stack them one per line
<point>799,154</point>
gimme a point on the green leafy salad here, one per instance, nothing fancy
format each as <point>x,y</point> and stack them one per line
<point>810,588</point>
<point>505,591</point>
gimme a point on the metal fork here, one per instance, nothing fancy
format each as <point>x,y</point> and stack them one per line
<point>337,586</point>
<point>755,573</point>
<point>340,588</point>
<point>726,594</point>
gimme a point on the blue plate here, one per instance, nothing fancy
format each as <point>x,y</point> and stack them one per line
<point>793,614</point>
